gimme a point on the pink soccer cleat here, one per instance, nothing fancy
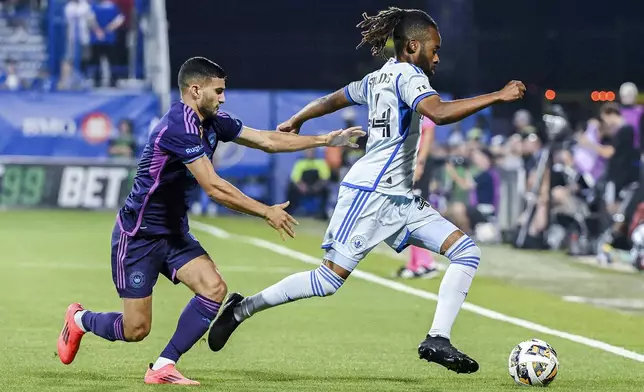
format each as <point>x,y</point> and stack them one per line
<point>167,375</point>
<point>71,335</point>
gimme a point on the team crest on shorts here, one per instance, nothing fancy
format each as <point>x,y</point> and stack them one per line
<point>137,279</point>
<point>358,243</point>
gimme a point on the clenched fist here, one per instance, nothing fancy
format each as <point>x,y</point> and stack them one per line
<point>512,91</point>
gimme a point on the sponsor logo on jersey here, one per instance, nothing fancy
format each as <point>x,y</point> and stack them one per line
<point>193,150</point>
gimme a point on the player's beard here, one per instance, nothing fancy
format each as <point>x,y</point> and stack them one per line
<point>208,109</point>
<point>426,66</point>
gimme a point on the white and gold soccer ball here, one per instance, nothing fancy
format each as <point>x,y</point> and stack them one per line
<point>533,363</point>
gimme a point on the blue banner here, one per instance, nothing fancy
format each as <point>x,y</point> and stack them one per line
<point>80,125</point>
<point>70,124</point>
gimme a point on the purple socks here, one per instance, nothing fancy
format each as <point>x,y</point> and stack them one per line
<point>106,325</point>
<point>193,324</point>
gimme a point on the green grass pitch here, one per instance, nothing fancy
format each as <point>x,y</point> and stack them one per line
<point>362,339</point>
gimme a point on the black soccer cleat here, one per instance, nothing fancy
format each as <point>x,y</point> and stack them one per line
<point>438,349</point>
<point>225,324</point>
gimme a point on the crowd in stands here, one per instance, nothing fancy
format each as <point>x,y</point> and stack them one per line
<point>95,49</point>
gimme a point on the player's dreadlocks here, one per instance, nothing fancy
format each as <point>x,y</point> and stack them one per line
<point>401,24</point>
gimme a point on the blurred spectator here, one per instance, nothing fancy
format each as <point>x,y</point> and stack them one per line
<point>459,161</point>
<point>479,133</point>
<point>79,17</point>
<point>124,144</point>
<point>587,160</point>
<point>511,153</point>
<point>456,136</point>
<point>632,112</point>
<point>565,184</point>
<point>522,122</point>
<point>108,18</point>
<point>531,149</point>
<point>126,7</point>
<point>309,178</point>
<point>43,82</point>
<point>484,188</point>
<point>617,147</point>
<point>423,171</point>
<point>9,79</point>
<point>70,79</point>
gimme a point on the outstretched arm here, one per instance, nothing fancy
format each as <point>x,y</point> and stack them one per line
<point>227,195</point>
<point>318,108</point>
<point>447,112</point>
<point>272,142</point>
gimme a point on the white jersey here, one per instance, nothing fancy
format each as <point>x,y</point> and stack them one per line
<point>392,93</point>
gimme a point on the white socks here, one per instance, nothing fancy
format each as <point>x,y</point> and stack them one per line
<point>161,362</point>
<point>320,282</point>
<point>78,319</point>
<point>464,258</point>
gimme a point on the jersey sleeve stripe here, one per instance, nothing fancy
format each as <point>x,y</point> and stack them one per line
<point>348,95</point>
<point>421,97</point>
<point>194,159</point>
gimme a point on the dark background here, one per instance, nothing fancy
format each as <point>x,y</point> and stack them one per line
<point>296,44</point>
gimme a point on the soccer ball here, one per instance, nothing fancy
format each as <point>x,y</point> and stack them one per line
<point>533,363</point>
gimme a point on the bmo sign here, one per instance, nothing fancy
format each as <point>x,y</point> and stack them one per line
<point>48,126</point>
<point>95,128</point>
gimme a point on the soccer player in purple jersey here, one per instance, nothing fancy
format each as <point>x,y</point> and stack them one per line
<point>151,232</point>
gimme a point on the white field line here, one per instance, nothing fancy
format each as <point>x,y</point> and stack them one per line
<point>282,250</point>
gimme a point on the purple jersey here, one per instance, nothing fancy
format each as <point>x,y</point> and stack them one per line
<point>158,202</point>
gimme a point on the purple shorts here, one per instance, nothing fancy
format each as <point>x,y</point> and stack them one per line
<point>137,261</point>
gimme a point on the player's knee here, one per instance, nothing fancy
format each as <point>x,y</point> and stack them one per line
<point>464,252</point>
<point>136,331</point>
<point>325,282</point>
<point>215,289</point>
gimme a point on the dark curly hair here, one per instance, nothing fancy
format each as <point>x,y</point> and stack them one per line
<point>399,24</point>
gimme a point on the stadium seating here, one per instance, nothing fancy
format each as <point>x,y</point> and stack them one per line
<point>25,44</point>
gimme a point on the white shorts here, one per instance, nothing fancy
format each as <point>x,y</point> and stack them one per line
<point>363,219</point>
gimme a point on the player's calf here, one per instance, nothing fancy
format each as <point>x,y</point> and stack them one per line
<point>320,282</point>
<point>202,277</point>
<point>464,258</point>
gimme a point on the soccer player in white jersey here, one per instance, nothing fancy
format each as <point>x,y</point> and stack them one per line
<point>375,201</point>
